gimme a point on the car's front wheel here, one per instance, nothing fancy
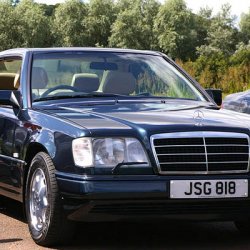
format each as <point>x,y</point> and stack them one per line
<point>47,223</point>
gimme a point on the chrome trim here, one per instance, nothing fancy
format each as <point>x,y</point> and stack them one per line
<point>38,202</point>
<point>12,159</point>
<point>202,162</point>
<point>204,145</point>
<point>207,154</point>
<point>194,145</point>
<point>204,135</point>
<point>198,145</point>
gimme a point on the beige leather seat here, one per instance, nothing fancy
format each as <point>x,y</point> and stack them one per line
<point>86,82</point>
<point>117,82</point>
<point>39,78</point>
<point>9,81</point>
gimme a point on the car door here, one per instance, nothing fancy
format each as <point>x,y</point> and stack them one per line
<point>10,168</point>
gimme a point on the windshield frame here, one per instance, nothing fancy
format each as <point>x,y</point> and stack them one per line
<point>184,74</point>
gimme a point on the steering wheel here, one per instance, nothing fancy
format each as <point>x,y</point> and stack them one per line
<point>67,87</point>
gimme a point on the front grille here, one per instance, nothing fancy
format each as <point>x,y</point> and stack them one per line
<point>201,152</point>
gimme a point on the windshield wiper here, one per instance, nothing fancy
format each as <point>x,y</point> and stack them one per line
<point>101,94</point>
<point>85,95</point>
<point>47,98</point>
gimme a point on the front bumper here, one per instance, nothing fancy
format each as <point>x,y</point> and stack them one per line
<point>108,198</point>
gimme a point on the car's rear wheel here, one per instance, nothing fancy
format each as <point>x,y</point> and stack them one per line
<point>47,223</point>
<point>243,226</point>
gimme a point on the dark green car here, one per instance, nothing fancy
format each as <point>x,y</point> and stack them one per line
<point>91,134</point>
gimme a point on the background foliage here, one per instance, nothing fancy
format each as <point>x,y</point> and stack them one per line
<point>212,48</point>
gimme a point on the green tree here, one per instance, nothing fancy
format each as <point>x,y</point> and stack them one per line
<point>33,26</point>
<point>210,69</point>
<point>9,36</point>
<point>242,55</point>
<point>133,27</point>
<point>101,15</point>
<point>245,26</point>
<point>175,28</point>
<point>222,35</point>
<point>69,24</point>
<point>48,9</point>
<point>202,25</point>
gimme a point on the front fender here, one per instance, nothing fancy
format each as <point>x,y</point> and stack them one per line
<point>47,140</point>
<point>57,145</point>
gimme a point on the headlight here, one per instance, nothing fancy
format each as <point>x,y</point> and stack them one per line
<point>82,152</point>
<point>108,152</point>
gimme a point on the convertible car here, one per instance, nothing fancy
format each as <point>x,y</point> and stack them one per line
<point>89,134</point>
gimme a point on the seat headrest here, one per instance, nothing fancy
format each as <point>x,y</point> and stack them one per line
<point>85,82</point>
<point>39,78</point>
<point>7,81</point>
<point>17,80</point>
<point>119,83</point>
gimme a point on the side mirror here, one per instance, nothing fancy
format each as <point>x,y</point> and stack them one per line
<point>11,97</point>
<point>216,94</point>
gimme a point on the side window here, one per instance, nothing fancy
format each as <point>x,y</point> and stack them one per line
<point>10,73</point>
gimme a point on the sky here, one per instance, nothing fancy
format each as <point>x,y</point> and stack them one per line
<point>238,6</point>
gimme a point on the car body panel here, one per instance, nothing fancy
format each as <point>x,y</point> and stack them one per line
<point>51,126</point>
<point>239,102</point>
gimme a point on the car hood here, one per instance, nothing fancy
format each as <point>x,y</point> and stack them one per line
<point>117,118</point>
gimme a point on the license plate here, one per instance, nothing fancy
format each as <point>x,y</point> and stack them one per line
<point>208,189</point>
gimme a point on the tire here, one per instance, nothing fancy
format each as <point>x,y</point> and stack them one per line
<point>243,226</point>
<point>47,223</point>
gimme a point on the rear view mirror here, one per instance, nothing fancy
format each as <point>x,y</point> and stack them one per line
<point>216,94</point>
<point>103,66</point>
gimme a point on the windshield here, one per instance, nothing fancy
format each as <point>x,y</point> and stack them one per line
<point>101,74</point>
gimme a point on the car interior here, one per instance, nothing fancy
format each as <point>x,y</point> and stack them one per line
<point>10,74</point>
<point>9,81</point>
<point>111,80</point>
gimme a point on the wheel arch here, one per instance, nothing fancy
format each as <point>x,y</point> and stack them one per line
<point>33,149</point>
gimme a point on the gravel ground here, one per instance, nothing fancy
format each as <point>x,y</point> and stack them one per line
<point>14,234</point>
